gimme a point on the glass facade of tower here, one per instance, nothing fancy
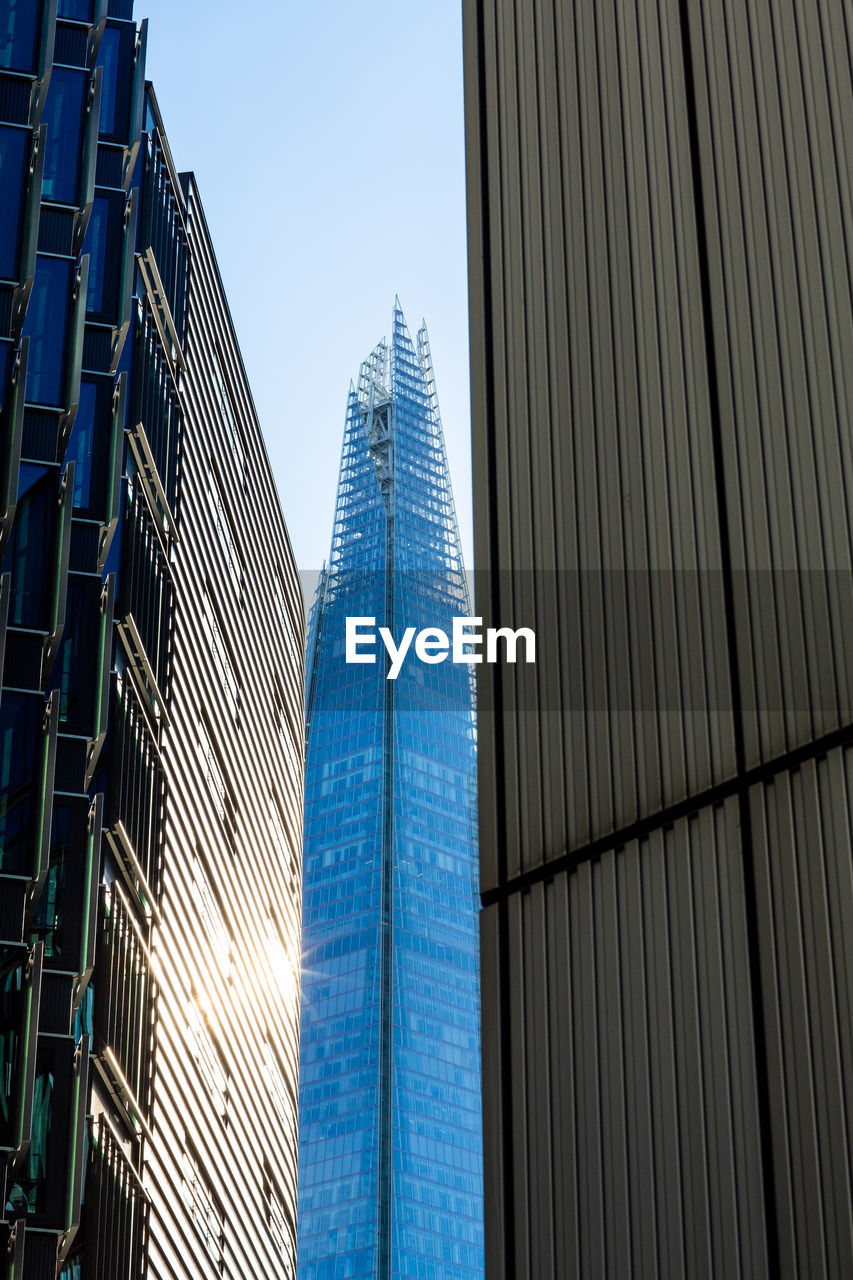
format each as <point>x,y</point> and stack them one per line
<point>390,1159</point>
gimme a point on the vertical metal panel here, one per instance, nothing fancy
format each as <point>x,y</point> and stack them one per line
<point>775,107</point>
<point>804,861</point>
<point>599,439</point>
<point>481,399</point>
<point>660,225</point>
<point>636,1136</point>
<point>493,1097</point>
<point>226,1050</point>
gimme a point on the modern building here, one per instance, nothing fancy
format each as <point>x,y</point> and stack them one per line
<point>151,707</point>
<point>390,1149</point>
<point>662,364</point>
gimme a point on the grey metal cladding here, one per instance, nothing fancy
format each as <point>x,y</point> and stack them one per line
<point>598,439</point>
<point>774,103</point>
<point>224,1166</point>
<point>801,822</point>
<point>628,1011</point>
<point>603,303</point>
<point>660,234</point>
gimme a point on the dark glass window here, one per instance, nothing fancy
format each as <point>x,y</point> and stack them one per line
<point>63,115</point>
<point>76,671</point>
<point>80,445</point>
<point>20,730</point>
<point>116,57</point>
<point>57,919</point>
<point>6,355</point>
<point>77,10</point>
<point>12,1004</point>
<point>46,324</point>
<point>104,245</point>
<point>33,1176</point>
<point>19,25</point>
<point>150,124</point>
<point>48,917</point>
<point>96,247</point>
<point>108,58</point>
<point>30,546</point>
<point>14,155</point>
<point>89,447</point>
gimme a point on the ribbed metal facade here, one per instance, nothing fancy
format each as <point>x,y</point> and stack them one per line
<point>662,344</point>
<point>142,1097</point>
<point>223,1162</point>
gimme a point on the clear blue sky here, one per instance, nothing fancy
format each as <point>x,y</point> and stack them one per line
<point>327,140</point>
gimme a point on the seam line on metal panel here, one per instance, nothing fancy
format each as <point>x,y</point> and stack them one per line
<point>715,795</point>
<point>742,783</point>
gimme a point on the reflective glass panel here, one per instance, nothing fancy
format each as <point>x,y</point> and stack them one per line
<point>80,444</point>
<point>77,10</point>
<point>63,115</point>
<point>32,1178</point>
<point>46,324</point>
<point>20,731</point>
<point>30,547</point>
<point>89,448</point>
<point>6,356</point>
<point>12,997</point>
<point>390,1155</point>
<point>14,155</point>
<point>76,671</point>
<point>57,919</point>
<point>110,58</point>
<point>19,26</point>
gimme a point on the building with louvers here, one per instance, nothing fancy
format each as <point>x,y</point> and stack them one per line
<point>150,746</point>
<point>662,372</point>
<point>390,1161</point>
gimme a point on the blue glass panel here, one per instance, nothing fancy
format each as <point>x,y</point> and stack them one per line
<point>95,245</point>
<point>75,672</point>
<point>46,324</point>
<point>102,233</point>
<point>20,726</point>
<point>104,244</point>
<point>54,900</point>
<point>80,445</point>
<point>89,448</point>
<point>150,120</point>
<point>110,58</point>
<point>12,1014</point>
<point>6,356</point>
<point>30,546</point>
<point>58,917</point>
<point>14,157</point>
<point>32,1178</point>
<point>77,10</point>
<point>63,115</point>
<point>19,28</point>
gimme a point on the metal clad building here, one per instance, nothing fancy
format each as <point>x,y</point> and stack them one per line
<point>660,250</point>
<point>227,951</point>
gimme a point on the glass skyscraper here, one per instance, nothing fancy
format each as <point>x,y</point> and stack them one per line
<point>390,1156</point>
